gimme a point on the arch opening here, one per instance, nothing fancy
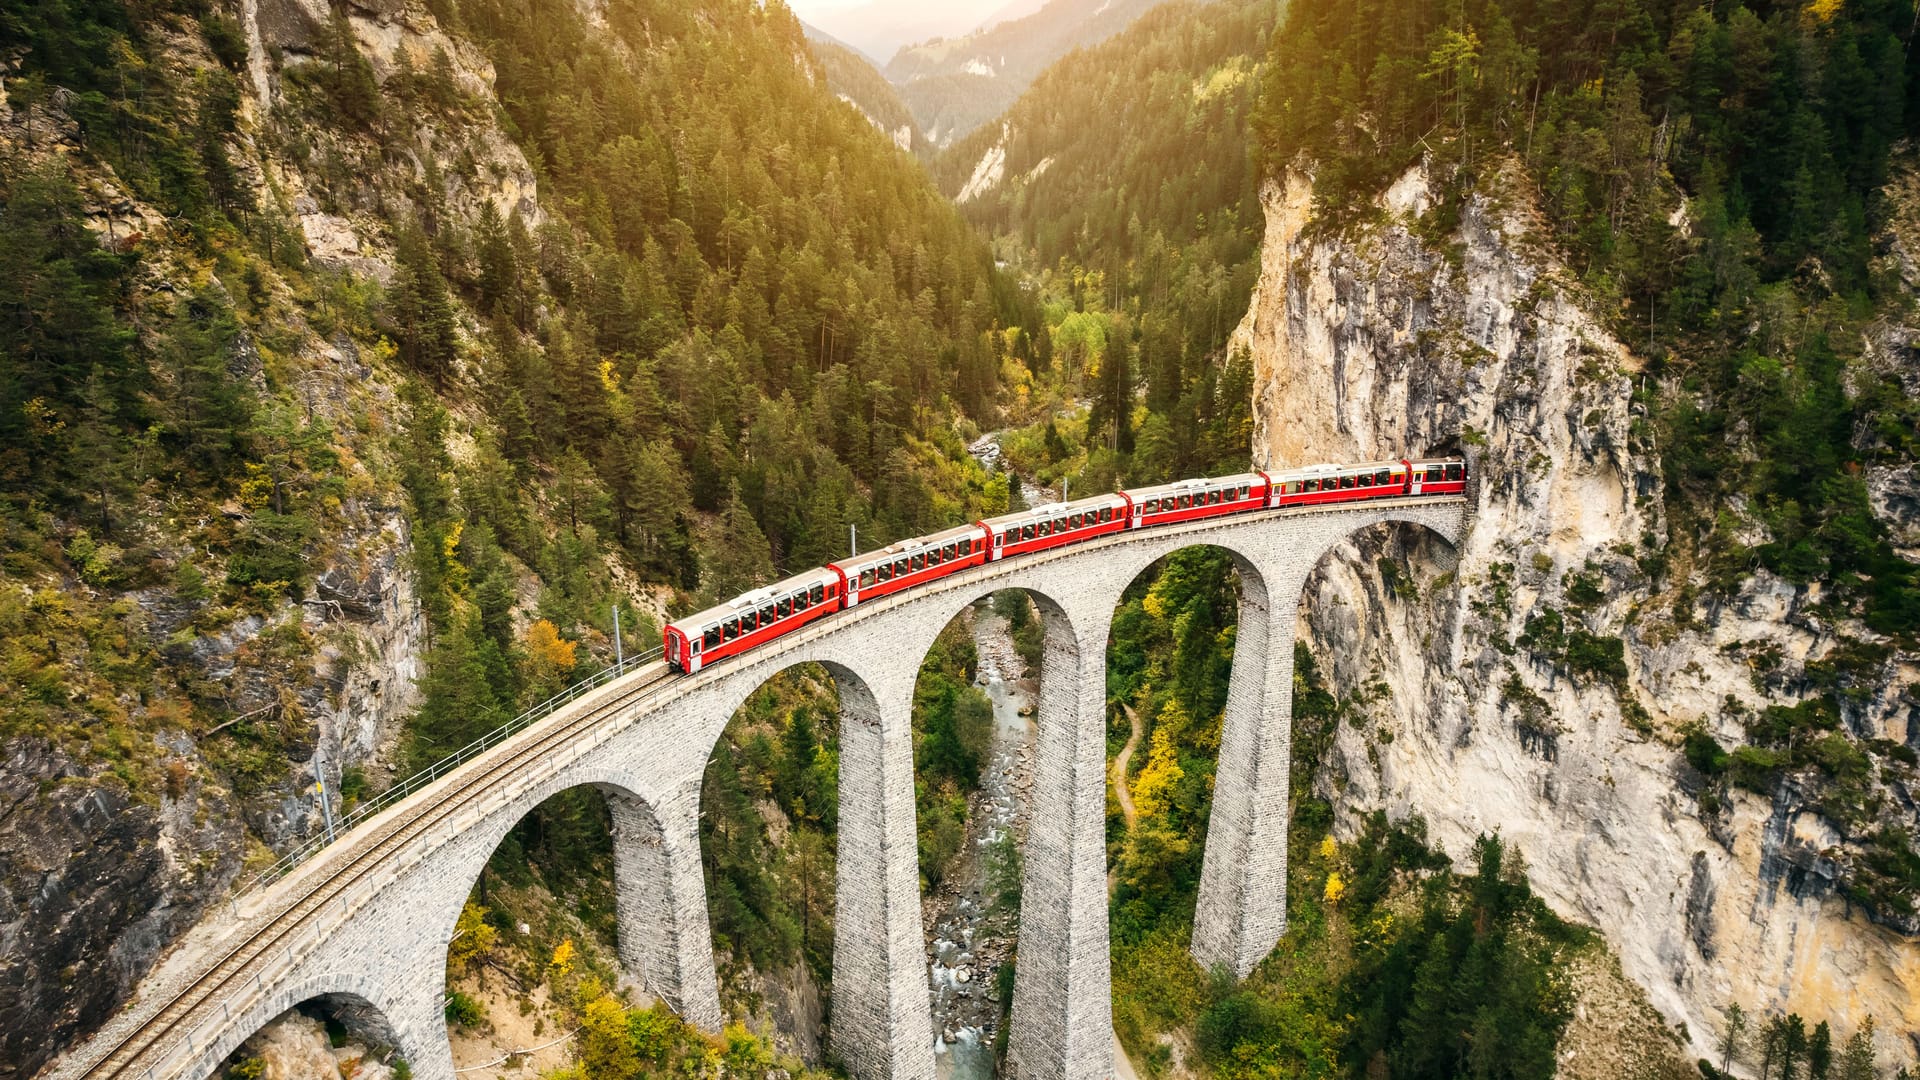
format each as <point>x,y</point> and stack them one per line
<point>975,726</point>
<point>541,938</point>
<point>769,833</point>
<point>1266,864</point>
<point>1187,651</point>
<point>321,1035</point>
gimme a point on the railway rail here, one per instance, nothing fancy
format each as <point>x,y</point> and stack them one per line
<point>280,930</point>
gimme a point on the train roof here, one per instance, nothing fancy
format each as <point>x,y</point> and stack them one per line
<point>1337,468</point>
<point>1198,483</point>
<point>750,600</point>
<point>855,563</point>
<point>1054,510</point>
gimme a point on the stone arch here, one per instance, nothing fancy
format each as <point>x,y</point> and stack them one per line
<point>1242,908</point>
<point>869,1003</point>
<point>1244,706</point>
<point>659,900</point>
<point>358,1001</point>
<point>1056,713</point>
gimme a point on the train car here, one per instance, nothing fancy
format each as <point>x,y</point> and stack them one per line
<point>912,562</point>
<point>753,619</point>
<point>1438,476</point>
<point>1051,526</point>
<point>1187,500</point>
<point>1319,484</point>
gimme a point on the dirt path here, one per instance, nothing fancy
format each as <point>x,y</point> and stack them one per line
<point>1120,767</point>
<point>1120,791</point>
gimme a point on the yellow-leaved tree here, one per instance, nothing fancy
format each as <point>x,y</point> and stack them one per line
<point>472,940</point>
<point>1153,787</point>
<point>549,657</point>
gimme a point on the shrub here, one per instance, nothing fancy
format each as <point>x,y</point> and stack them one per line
<point>463,1010</point>
<point>1703,752</point>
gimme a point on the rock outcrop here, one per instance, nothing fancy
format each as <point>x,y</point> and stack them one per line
<point>1392,339</point>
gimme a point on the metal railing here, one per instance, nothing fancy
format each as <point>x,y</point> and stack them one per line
<point>420,780</point>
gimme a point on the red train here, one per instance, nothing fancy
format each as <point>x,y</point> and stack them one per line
<point>760,616</point>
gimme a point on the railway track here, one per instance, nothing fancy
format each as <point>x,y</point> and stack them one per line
<point>159,1029</point>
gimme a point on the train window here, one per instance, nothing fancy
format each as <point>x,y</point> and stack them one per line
<point>899,567</point>
<point>1213,498</point>
<point>1186,501</point>
<point>1026,532</point>
<point>785,607</point>
<point>866,577</point>
<point>712,637</point>
<point>1245,490</point>
<point>819,594</point>
<point>1453,472</point>
<point>1059,525</point>
<point>800,601</point>
<point>966,546</point>
<point>1073,521</point>
<point>886,572</point>
<point>919,562</point>
<point>949,552</point>
<point>1381,476</point>
<point>732,629</point>
<point>766,615</point>
<point>1106,514</point>
<point>1363,480</point>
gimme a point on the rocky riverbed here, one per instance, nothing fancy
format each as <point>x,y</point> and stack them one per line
<point>967,937</point>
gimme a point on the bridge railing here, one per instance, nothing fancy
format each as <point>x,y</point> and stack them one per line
<point>420,780</point>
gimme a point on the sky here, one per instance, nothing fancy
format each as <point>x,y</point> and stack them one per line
<point>879,27</point>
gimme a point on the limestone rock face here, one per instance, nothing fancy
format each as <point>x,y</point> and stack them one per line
<point>1385,341</point>
<point>92,886</point>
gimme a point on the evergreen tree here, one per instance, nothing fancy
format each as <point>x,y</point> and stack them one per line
<point>423,312</point>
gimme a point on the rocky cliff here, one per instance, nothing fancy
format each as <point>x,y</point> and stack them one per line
<point>1543,680</point>
<point>109,852</point>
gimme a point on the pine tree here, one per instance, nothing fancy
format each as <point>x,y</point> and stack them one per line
<point>423,312</point>
<point>1857,1058</point>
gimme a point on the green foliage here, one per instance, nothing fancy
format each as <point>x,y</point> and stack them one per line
<point>1775,123</point>
<point>1130,194</point>
<point>1471,987</point>
<point>953,735</point>
<point>464,1010</point>
<point>771,904</point>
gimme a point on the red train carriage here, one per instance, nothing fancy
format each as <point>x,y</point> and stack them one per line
<point>1444,476</point>
<point>912,562</point>
<point>758,617</point>
<point>765,614</point>
<point>1052,526</point>
<point>1187,500</point>
<point>1318,484</point>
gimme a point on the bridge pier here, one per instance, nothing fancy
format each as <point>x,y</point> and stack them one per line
<point>882,1022</point>
<point>1063,994</point>
<point>662,903</point>
<point>1241,912</point>
<point>418,1012</point>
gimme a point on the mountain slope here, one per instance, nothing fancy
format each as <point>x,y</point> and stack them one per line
<point>858,83</point>
<point>352,369</point>
<point>954,85</point>
<point>1653,269</point>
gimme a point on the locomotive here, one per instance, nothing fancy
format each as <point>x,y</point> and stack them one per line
<point>751,620</point>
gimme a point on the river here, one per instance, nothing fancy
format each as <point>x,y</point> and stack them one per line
<point>967,939</point>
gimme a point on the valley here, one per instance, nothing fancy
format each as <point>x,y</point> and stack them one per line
<point>363,365</point>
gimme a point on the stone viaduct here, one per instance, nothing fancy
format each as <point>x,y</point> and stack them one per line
<point>366,922</point>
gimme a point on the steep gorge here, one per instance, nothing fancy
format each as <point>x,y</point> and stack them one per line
<point>1488,698</point>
